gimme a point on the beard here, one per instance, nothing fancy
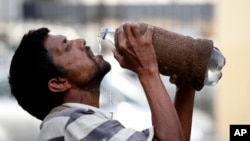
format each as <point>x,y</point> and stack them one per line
<point>102,69</point>
<point>102,66</point>
<point>93,80</point>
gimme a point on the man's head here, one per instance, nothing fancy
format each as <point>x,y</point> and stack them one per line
<point>45,67</point>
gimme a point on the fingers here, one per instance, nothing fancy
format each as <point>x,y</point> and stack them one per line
<point>149,33</point>
<point>133,32</point>
<point>128,32</point>
<point>180,82</point>
<point>120,38</point>
<point>118,57</point>
<point>126,39</point>
<point>135,28</point>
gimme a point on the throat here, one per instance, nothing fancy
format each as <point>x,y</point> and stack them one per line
<point>88,97</point>
<point>91,99</point>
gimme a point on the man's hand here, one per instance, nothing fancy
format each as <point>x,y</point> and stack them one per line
<point>135,50</point>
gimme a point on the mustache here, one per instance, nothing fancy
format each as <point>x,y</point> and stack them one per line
<point>89,52</point>
<point>87,47</point>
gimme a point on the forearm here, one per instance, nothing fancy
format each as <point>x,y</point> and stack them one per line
<point>164,117</point>
<point>135,52</point>
<point>184,102</point>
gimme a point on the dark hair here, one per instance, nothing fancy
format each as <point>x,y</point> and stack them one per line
<point>30,70</point>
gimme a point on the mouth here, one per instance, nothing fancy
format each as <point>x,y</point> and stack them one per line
<point>91,54</point>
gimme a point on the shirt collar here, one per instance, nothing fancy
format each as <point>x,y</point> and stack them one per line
<point>100,112</point>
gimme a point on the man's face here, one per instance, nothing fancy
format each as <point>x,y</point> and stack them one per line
<point>77,59</point>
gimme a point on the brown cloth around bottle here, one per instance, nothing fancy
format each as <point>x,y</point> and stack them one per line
<point>181,55</point>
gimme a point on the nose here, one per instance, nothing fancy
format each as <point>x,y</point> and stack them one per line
<point>81,43</point>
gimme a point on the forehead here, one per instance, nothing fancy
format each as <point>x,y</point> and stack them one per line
<point>53,41</point>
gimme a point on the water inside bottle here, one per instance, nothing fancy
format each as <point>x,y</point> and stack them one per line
<point>214,67</point>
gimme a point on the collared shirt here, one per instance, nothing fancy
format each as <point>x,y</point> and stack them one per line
<point>81,122</point>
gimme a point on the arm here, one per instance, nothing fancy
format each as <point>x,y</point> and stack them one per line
<point>184,102</point>
<point>136,53</point>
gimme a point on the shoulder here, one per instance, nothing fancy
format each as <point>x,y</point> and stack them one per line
<point>59,124</point>
<point>66,115</point>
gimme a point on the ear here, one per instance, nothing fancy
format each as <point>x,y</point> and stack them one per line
<point>58,84</point>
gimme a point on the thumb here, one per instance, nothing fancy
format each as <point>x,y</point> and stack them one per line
<point>117,56</point>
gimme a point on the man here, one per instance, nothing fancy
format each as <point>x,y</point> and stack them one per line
<point>58,81</point>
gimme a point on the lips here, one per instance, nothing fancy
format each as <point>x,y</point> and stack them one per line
<point>92,56</point>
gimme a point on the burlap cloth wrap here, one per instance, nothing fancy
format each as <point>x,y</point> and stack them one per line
<point>181,55</point>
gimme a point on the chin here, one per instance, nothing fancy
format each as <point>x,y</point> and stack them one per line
<point>106,67</point>
<point>103,68</point>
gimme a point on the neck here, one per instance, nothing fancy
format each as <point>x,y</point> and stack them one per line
<point>87,95</point>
